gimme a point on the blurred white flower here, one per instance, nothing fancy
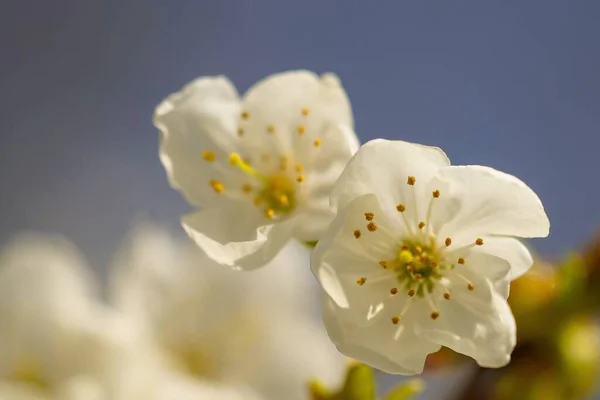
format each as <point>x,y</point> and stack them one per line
<point>261,167</point>
<point>420,255</point>
<point>215,325</point>
<point>58,341</point>
<point>49,346</point>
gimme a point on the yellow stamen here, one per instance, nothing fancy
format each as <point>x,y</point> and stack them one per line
<point>269,213</point>
<point>357,233</point>
<point>317,142</point>
<point>411,180</point>
<point>245,115</point>
<point>401,207</point>
<point>235,159</point>
<point>448,242</point>
<point>300,178</point>
<point>217,186</point>
<point>301,129</point>
<point>435,315</point>
<point>305,111</point>
<point>371,227</point>
<point>479,242</point>
<point>361,281</point>
<point>209,156</point>
<point>271,129</point>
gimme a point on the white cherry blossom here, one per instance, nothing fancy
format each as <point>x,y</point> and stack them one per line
<point>259,167</point>
<point>421,254</point>
<point>59,341</point>
<point>219,326</point>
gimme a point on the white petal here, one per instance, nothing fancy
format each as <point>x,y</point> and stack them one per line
<point>491,203</point>
<point>288,100</point>
<point>292,349</point>
<point>237,237</point>
<point>382,167</point>
<point>480,266</point>
<point>338,145</point>
<point>201,117</point>
<point>340,259</point>
<point>394,349</point>
<point>509,249</point>
<point>479,328</point>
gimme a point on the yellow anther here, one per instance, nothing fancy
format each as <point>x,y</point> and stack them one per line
<point>300,178</point>
<point>409,268</point>
<point>479,242</point>
<point>401,207</point>
<point>395,320</point>
<point>361,281</point>
<point>418,249</point>
<point>209,156</point>
<point>283,200</point>
<point>433,264</point>
<point>271,129</point>
<point>371,227</point>
<point>383,264</point>
<point>235,159</point>
<point>393,291</point>
<point>269,213</point>
<point>317,142</point>
<point>471,287</point>
<point>461,260</point>
<point>411,180</point>
<point>301,129</point>
<point>240,132</point>
<point>411,292</point>
<point>305,111</point>
<point>447,296</point>
<point>246,188</point>
<point>417,276</point>
<point>436,194</point>
<point>245,115</point>
<point>369,216</point>
<point>435,315</point>
<point>357,233</point>
<point>405,257</point>
<point>448,242</point>
<point>421,225</point>
<point>217,186</point>
<point>299,167</point>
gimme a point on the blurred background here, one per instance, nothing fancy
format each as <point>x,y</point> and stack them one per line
<point>513,85</point>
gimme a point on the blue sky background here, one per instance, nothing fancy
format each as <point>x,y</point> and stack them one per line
<point>510,84</point>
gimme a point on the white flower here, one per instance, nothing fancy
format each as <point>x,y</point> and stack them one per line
<point>420,255</point>
<point>49,347</point>
<point>58,341</point>
<point>260,167</point>
<point>215,325</point>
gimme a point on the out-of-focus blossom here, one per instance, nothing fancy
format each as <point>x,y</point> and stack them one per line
<point>216,325</point>
<point>261,167</point>
<point>421,254</point>
<point>51,345</point>
<point>58,341</point>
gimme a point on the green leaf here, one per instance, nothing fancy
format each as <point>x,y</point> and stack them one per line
<point>406,390</point>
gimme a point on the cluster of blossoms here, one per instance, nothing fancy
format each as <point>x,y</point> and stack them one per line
<point>170,329</point>
<point>413,253</point>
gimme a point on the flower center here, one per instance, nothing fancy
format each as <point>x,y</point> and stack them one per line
<point>419,262</point>
<point>417,266</point>
<point>277,194</point>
